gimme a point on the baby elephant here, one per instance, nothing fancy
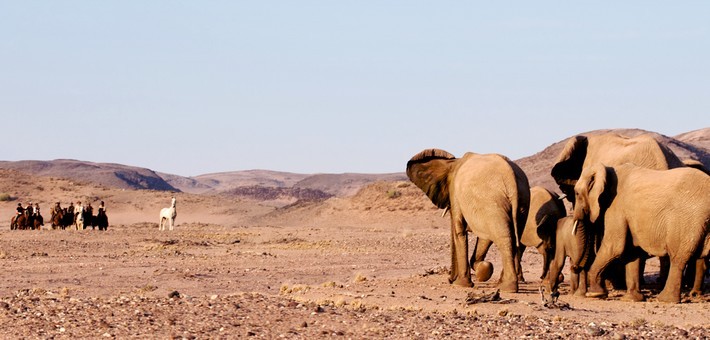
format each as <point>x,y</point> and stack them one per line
<point>567,245</point>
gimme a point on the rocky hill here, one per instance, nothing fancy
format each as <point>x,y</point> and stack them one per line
<point>691,145</point>
<point>234,182</point>
<point>106,174</point>
<point>698,138</point>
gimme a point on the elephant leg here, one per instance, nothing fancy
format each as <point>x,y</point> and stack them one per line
<point>460,268</point>
<point>608,252</point>
<point>546,258</point>
<point>663,273</point>
<point>518,260</point>
<point>632,281</point>
<point>671,291</point>
<point>582,286</point>
<point>480,249</point>
<point>508,278</point>
<point>573,281</point>
<point>556,266</point>
<point>699,277</point>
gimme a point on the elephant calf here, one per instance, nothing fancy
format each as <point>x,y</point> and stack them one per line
<point>546,208</point>
<point>567,245</point>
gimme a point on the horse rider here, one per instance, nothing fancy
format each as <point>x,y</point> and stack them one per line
<point>36,210</point>
<point>29,210</point>
<point>101,208</point>
<point>70,210</point>
<point>79,216</point>
<point>57,208</point>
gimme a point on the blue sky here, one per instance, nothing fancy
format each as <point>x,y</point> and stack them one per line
<point>193,87</point>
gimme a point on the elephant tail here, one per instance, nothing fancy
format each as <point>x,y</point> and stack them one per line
<point>520,203</point>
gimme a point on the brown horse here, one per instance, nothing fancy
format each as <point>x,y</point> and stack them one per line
<point>37,222</point>
<point>18,222</point>
<point>58,219</point>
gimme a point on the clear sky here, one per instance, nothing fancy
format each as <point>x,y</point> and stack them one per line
<point>194,87</point>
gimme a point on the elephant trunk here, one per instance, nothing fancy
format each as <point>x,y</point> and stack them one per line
<point>583,244</point>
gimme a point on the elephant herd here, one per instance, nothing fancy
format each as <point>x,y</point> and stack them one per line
<point>632,198</point>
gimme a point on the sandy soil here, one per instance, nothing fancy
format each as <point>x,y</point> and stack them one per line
<point>350,268</point>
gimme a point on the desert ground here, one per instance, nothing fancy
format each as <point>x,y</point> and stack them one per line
<point>373,265</point>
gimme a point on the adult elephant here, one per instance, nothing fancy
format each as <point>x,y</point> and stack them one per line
<point>662,213</point>
<point>488,195</point>
<point>546,208</point>
<point>581,152</point>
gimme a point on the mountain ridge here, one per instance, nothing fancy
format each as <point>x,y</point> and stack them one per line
<point>690,145</point>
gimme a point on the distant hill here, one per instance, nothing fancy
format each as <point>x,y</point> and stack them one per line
<point>686,146</point>
<point>243,182</point>
<point>289,186</point>
<point>106,174</point>
<point>698,138</point>
<point>341,185</point>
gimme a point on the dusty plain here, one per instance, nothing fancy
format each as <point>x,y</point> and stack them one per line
<point>373,265</point>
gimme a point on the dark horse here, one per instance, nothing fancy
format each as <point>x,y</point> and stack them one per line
<point>58,219</point>
<point>37,222</point>
<point>100,220</point>
<point>88,217</point>
<point>63,219</point>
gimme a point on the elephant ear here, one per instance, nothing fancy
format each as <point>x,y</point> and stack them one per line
<point>547,223</point>
<point>568,166</point>
<point>596,187</point>
<point>429,170</point>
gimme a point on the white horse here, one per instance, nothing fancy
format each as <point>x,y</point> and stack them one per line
<point>167,215</point>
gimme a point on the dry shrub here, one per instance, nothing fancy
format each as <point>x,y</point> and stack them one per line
<point>285,289</point>
<point>329,284</point>
<point>340,302</point>
<point>359,278</point>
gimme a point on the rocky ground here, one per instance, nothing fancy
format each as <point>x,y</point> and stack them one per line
<point>349,276</point>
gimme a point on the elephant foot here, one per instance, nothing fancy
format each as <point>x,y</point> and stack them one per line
<point>462,282</point>
<point>634,296</point>
<point>508,287</point>
<point>597,295</point>
<point>580,293</point>
<point>669,297</point>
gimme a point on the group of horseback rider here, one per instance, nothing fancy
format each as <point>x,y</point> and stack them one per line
<point>80,216</point>
<point>27,218</point>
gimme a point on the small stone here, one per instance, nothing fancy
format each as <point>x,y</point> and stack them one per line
<point>304,324</point>
<point>595,331</point>
<point>174,294</point>
<point>618,336</point>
